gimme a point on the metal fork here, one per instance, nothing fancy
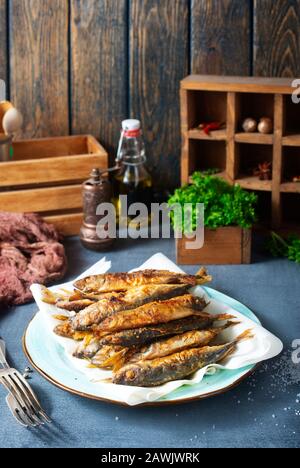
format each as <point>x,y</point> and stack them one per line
<point>21,400</point>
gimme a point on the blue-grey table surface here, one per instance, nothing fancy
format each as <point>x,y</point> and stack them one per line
<point>263,411</point>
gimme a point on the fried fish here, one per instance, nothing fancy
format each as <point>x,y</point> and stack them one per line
<point>175,366</point>
<point>154,313</point>
<point>124,300</point>
<point>121,281</point>
<point>144,335</point>
<point>74,306</point>
<point>190,339</point>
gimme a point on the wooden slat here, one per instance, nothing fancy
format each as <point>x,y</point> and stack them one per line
<point>185,154</point>
<point>253,183</point>
<point>3,40</point>
<point>277,161</point>
<point>291,140</point>
<point>231,153</point>
<point>221,37</point>
<point>159,60</point>
<point>45,199</point>
<point>50,170</point>
<point>238,84</point>
<point>68,224</point>
<point>39,65</point>
<point>276,38</point>
<point>218,135</point>
<point>99,68</point>
<point>254,138</point>
<point>61,146</point>
<point>290,187</point>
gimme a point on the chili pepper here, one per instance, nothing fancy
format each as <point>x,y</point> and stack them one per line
<point>207,127</point>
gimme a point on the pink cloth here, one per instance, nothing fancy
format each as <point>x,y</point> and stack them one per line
<point>30,252</point>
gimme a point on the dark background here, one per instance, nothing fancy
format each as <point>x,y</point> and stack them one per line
<point>81,66</point>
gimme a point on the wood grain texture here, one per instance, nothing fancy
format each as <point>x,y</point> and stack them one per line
<point>222,246</point>
<point>39,65</point>
<point>99,68</point>
<point>42,199</point>
<point>3,40</point>
<point>277,162</point>
<point>158,61</point>
<point>220,37</point>
<point>49,161</point>
<point>276,48</point>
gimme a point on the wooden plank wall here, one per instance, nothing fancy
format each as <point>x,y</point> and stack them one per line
<point>81,66</point>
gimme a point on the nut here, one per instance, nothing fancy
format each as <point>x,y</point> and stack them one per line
<point>265,125</point>
<point>249,125</point>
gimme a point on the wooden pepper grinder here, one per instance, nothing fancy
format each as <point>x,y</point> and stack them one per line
<point>95,191</point>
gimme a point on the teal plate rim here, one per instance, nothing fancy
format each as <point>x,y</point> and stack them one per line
<point>178,396</point>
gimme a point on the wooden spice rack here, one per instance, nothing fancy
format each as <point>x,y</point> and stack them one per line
<point>45,177</point>
<point>235,153</point>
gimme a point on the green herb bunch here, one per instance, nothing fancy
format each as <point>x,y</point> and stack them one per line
<point>225,204</point>
<point>289,248</point>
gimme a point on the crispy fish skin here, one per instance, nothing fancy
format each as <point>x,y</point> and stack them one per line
<point>74,306</point>
<point>176,366</point>
<point>141,336</point>
<point>154,313</point>
<point>190,339</point>
<point>125,300</point>
<point>144,335</point>
<point>121,281</point>
<point>66,330</point>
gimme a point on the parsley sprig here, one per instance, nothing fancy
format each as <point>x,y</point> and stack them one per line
<point>289,247</point>
<point>225,204</point>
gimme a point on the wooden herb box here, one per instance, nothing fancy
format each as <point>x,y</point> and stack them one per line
<point>45,177</point>
<point>223,246</point>
<point>234,153</point>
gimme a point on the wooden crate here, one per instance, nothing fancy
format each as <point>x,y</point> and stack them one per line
<point>231,100</point>
<point>45,177</point>
<point>223,246</point>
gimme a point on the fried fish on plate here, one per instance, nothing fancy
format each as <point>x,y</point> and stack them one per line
<point>153,313</point>
<point>175,366</point>
<point>144,335</point>
<point>190,339</point>
<point>121,281</point>
<point>124,300</point>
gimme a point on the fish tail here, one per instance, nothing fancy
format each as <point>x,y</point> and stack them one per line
<point>202,277</point>
<point>229,324</point>
<point>246,335</point>
<point>221,317</point>
<point>116,361</point>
